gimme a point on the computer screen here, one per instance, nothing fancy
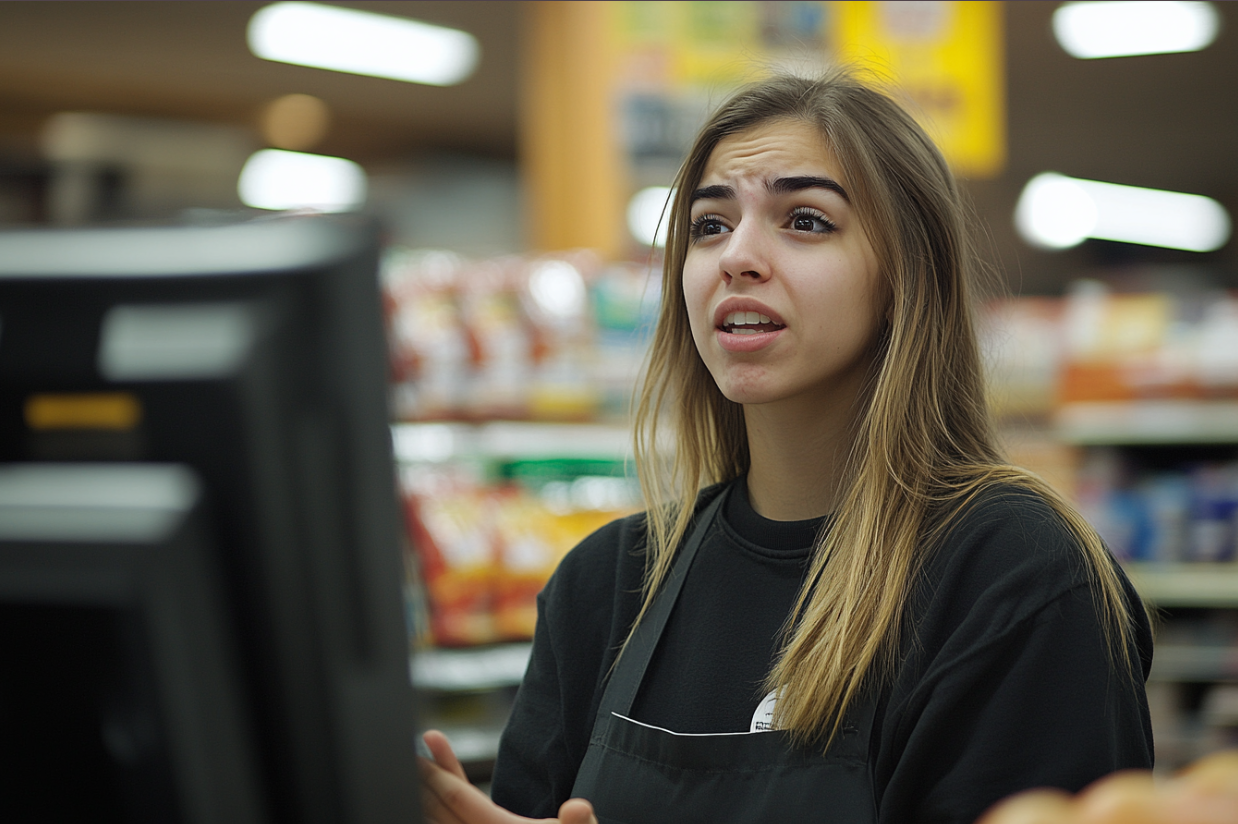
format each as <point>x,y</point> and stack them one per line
<point>201,613</point>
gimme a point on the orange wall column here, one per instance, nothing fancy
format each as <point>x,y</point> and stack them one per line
<point>570,155</point>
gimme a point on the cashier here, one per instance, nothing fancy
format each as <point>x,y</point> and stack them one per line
<point>841,604</point>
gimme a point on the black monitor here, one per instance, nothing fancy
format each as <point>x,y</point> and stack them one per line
<point>201,579</point>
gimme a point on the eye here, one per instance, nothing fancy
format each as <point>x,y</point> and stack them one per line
<point>804,219</point>
<point>707,225</point>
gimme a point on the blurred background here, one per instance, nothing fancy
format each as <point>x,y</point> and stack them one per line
<point>519,181</point>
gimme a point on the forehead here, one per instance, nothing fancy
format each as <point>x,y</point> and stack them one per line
<point>774,148</point>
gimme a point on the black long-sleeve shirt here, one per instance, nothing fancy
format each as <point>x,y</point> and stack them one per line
<point>1005,681</point>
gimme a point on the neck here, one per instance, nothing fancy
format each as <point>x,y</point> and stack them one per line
<point>797,453</point>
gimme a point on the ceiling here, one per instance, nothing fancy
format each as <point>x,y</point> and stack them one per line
<point>1161,121</point>
<point>190,60</point>
<point>1167,121</point>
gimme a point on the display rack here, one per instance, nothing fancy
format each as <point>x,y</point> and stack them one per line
<point>1195,663</point>
<point>1148,422</point>
<point>463,670</point>
<point>1170,586</point>
<point>1190,586</point>
<point>1195,659</point>
<point>467,692</point>
<point>438,442</point>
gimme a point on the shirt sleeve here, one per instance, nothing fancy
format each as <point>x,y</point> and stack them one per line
<point>1011,682</point>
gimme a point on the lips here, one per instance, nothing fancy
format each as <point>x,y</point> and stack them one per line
<point>748,323</point>
<point>745,325</point>
<point>739,316</point>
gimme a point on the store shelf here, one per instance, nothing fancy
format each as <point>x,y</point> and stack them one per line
<point>482,668</point>
<point>473,744</point>
<point>1186,585</point>
<point>1190,662</point>
<point>438,442</point>
<point>1148,422</point>
<point>462,696</point>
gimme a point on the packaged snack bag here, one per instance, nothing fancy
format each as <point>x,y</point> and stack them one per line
<point>450,526</point>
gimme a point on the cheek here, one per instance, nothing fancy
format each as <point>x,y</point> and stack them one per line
<point>866,289</point>
<point>696,299</point>
<point>849,308</point>
<point>868,316</point>
<point>880,301</point>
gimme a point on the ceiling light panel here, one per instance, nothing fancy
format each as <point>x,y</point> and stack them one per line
<point>1125,29</point>
<point>276,179</point>
<point>361,42</point>
<point>1056,212</point>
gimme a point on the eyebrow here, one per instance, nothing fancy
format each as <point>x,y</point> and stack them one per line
<point>786,185</point>
<point>778,186</point>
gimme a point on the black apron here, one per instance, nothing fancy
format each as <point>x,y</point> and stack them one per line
<point>634,773</point>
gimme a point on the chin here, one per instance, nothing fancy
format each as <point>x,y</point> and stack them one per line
<point>747,395</point>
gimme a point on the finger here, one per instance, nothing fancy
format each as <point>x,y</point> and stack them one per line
<point>1208,809</point>
<point>1126,797</point>
<point>1216,773</point>
<point>434,809</point>
<point>453,799</point>
<point>443,754</point>
<point>1206,792</point>
<point>576,811</point>
<point>1032,807</point>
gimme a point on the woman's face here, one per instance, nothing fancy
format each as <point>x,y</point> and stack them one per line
<point>780,281</point>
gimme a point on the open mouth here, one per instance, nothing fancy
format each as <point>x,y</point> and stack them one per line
<point>749,323</point>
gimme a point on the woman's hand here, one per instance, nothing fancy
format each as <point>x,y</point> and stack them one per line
<point>1204,793</point>
<point>447,797</point>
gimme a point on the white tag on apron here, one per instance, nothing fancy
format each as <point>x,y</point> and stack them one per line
<point>763,718</point>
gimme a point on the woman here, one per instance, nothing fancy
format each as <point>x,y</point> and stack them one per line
<point>843,606</point>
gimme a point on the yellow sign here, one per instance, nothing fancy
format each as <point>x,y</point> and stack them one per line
<point>947,58</point>
<point>703,43</point>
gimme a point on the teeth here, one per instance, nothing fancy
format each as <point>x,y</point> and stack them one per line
<point>742,318</point>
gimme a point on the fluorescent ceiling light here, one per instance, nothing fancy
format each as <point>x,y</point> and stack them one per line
<point>276,179</point>
<point>361,42</point>
<point>647,215</point>
<point>1054,212</point>
<point>1122,29</point>
<point>1057,212</point>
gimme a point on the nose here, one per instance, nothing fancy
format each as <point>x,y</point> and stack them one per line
<point>746,255</point>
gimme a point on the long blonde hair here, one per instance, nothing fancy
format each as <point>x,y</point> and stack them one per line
<point>924,445</point>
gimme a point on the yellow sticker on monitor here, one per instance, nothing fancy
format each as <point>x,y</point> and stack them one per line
<point>84,410</point>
